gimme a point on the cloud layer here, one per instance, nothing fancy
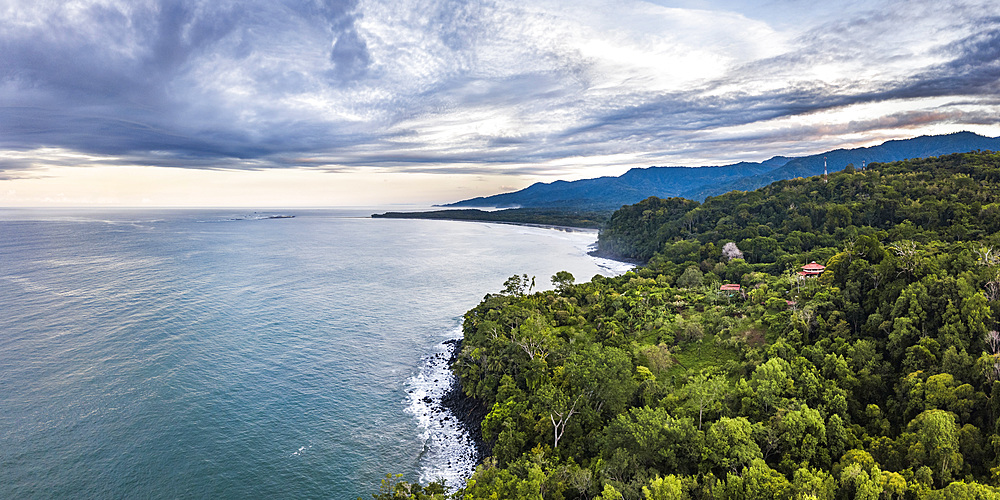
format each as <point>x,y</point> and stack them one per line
<point>481,87</point>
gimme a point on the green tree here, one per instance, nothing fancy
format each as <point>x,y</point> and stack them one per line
<point>518,285</point>
<point>692,277</point>
<point>665,488</point>
<point>563,280</point>
<point>610,493</point>
<point>730,444</point>
<point>758,482</point>
<point>394,489</point>
<point>654,439</point>
<point>534,337</point>
<point>560,408</point>
<point>772,383</point>
<point>860,476</point>
<point>813,484</point>
<point>605,376</point>
<point>704,391</point>
<point>490,482</point>
<point>802,434</point>
<point>936,445</point>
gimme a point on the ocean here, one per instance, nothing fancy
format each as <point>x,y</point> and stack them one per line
<point>226,354</point>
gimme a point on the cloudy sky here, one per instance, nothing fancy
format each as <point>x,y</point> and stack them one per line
<point>364,102</point>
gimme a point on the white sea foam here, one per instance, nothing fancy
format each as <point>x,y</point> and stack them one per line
<point>610,266</point>
<point>613,267</point>
<point>449,452</point>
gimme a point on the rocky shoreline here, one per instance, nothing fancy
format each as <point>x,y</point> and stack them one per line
<point>449,421</point>
<point>602,254</point>
<point>469,412</point>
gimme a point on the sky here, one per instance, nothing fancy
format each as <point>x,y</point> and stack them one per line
<point>372,102</point>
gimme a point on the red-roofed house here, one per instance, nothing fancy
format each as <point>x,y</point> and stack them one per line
<point>812,269</point>
<point>729,287</point>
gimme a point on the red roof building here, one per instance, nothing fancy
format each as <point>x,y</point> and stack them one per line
<point>812,269</point>
<point>731,287</point>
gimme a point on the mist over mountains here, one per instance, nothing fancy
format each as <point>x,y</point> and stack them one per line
<point>698,183</point>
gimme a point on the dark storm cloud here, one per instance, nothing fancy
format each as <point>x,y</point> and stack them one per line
<point>349,56</point>
<point>973,70</point>
<point>109,79</point>
<point>103,56</point>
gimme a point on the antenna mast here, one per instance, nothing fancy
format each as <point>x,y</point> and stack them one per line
<point>824,170</point>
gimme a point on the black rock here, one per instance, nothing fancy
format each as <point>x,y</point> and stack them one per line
<point>469,412</point>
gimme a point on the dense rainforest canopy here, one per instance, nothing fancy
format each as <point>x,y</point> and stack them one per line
<point>880,378</point>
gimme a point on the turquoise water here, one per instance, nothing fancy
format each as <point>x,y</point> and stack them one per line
<point>195,354</point>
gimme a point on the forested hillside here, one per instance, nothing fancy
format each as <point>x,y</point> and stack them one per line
<point>949,198</point>
<point>880,378</point>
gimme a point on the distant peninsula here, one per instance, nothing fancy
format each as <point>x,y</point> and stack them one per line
<point>567,218</point>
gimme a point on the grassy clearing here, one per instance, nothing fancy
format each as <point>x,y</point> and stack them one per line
<point>695,356</point>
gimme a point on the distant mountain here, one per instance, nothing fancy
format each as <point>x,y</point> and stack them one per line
<point>698,183</point>
<point>610,193</point>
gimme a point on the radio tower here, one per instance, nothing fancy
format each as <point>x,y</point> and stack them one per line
<point>824,170</point>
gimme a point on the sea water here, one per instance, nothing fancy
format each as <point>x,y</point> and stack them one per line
<point>225,354</point>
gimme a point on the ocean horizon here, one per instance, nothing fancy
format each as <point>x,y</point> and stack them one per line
<point>178,353</point>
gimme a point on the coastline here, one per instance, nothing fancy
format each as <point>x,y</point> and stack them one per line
<point>449,421</point>
<point>593,252</point>
<point>568,229</point>
<point>615,257</point>
<point>469,411</point>
<point>574,219</point>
